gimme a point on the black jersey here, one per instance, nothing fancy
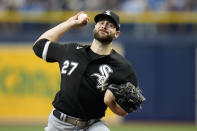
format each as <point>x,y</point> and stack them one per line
<point>85,77</point>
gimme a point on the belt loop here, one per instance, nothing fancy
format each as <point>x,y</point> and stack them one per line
<point>61,116</point>
<point>77,123</point>
<point>64,117</point>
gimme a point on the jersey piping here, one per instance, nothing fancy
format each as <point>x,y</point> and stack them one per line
<point>44,54</point>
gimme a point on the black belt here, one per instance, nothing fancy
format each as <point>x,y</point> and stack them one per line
<point>73,120</point>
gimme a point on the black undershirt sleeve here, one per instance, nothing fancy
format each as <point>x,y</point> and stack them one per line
<point>54,51</point>
<point>39,47</point>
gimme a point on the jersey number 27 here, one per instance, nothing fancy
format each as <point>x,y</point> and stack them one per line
<point>69,65</point>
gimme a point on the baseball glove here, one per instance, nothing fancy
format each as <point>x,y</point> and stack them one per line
<point>127,96</point>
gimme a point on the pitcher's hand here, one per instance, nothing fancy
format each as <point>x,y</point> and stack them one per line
<point>76,22</point>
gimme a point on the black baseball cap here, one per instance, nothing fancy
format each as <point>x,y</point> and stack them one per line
<point>110,15</point>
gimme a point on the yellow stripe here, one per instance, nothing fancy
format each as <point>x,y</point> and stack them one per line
<point>58,16</point>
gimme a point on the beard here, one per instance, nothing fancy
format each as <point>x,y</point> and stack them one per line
<point>103,39</point>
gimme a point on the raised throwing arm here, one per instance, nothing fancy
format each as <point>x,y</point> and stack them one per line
<point>56,32</point>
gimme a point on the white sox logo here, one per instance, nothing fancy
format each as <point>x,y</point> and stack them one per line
<point>107,12</point>
<point>102,77</point>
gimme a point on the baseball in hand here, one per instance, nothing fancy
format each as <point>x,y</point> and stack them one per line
<point>82,16</point>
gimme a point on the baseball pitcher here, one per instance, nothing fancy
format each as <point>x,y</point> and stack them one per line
<point>93,77</point>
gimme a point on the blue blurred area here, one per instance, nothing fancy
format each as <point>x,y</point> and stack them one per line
<point>161,33</point>
<point>166,75</point>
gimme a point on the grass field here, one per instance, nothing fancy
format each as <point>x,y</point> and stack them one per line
<point>125,127</point>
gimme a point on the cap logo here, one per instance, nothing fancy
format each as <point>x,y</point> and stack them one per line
<point>107,12</point>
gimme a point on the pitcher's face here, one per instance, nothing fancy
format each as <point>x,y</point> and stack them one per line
<point>105,31</point>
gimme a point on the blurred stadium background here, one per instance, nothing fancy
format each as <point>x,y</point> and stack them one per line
<point>158,36</point>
